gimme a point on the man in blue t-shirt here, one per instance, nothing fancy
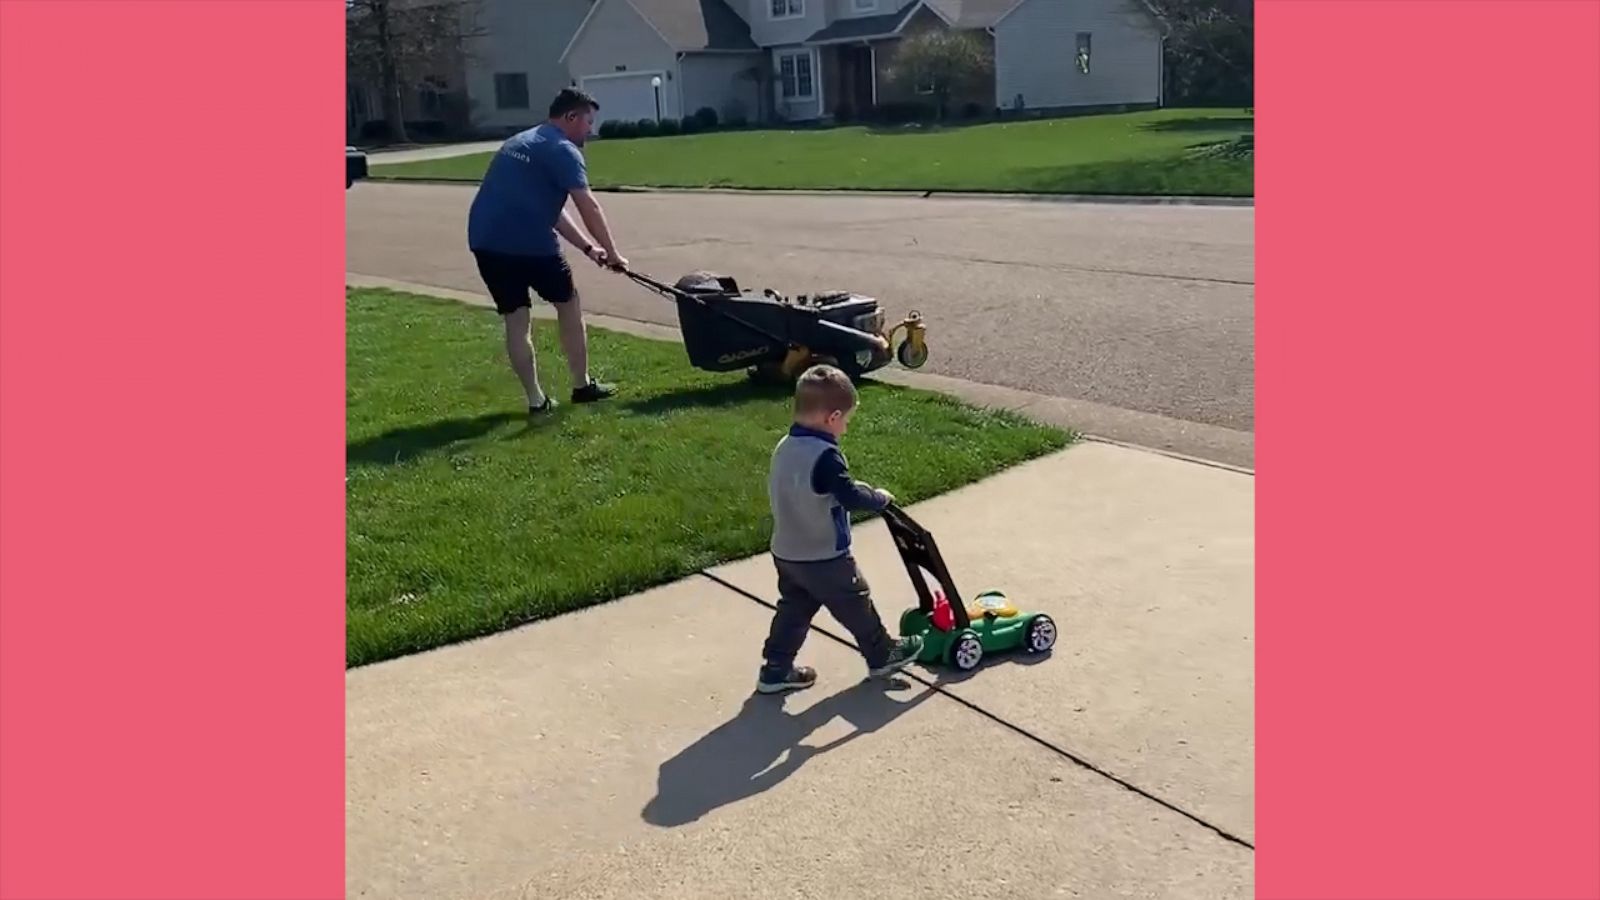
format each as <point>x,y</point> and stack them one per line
<point>512,228</point>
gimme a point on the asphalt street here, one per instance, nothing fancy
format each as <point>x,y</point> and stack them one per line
<point>1134,307</point>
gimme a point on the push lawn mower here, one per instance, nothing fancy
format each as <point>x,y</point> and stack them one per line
<point>952,632</point>
<point>778,337</point>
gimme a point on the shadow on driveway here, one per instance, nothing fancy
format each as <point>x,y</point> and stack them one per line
<point>741,757</point>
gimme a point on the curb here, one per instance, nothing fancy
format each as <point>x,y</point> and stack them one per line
<point>1109,199</point>
<point>1119,199</point>
<point>1191,442</point>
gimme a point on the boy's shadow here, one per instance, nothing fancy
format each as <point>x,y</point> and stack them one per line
<point>741,758</point>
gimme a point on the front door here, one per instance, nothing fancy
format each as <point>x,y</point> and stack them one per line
<point>855,79</point>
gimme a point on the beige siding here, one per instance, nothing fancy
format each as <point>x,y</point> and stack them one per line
<point>716,80</point>
<point>617,36</point>
<point>516,40</point>
<point>1036,46</point>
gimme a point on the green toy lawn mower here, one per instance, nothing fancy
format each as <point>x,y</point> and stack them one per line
<point>953,633</point>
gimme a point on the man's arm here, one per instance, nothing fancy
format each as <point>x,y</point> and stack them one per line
<point>569,229</point>
<point>595,220</point>
<point>830,476</point>
<point>574,176</point>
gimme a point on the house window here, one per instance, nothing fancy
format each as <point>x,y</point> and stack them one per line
<point>862,6</point>
<point>1083,52</point>
<point>786,9</point>
<point>511,90</point>
<point>795,73</point>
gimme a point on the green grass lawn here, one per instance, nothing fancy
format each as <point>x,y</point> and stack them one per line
<point>463,518</point>
<point>1153,153</point>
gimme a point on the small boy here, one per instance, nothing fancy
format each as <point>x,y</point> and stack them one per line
<point>811,492</point>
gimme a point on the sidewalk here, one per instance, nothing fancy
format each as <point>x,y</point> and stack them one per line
<point>381,157</point>
<point>618,752</point>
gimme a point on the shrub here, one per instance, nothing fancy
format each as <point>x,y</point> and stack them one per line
<point>972,111</point>
<point>903,111</point>
<point>737,120</point>
<point>647,128</point>
<point>669,126</point>
<point>844,114</point>
<point>705,118</point>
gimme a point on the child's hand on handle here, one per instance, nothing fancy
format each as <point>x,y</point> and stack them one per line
<point>596,254</point>
<point>885,496</point>
<point>616,262</point>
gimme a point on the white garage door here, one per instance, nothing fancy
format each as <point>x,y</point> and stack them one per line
<point>627,97</point>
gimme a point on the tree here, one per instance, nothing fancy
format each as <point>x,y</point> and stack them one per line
<point>941,63</point>
<point>401,44</point>
<point>1210,48</point>
<point>762,76</point>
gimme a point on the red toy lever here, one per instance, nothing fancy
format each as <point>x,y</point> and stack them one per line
<point>943,618</point>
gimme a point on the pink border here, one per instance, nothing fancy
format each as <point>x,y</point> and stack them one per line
<point>1428,326</point>
<point>171,350</point>
<point>171,339</point>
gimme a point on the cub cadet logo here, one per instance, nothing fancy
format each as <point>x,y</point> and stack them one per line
<point>742,355</point>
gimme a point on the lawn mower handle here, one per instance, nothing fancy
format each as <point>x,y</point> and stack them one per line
<point>676,293</point>
<point>657,286</point>
<point>862,339</point>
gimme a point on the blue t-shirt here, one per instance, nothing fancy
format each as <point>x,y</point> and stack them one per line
<point>520,199</point>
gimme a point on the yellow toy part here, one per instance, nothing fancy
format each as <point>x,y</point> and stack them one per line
<point>991,603</point>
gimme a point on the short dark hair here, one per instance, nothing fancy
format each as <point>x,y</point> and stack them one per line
<point>824,389</point>
<point>571,100</point>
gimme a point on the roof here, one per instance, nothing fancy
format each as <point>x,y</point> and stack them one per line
<point>971,13</point>
<point>955,13</point>
<point>864,27</point>
<point>690,25</point>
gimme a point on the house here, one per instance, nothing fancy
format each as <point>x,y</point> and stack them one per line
<point>807,60</point>
<point>508,69</point>
<point>513,67</point>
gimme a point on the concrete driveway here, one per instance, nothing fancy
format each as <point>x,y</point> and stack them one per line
<point>1143,308</point>
<point>619,753</point>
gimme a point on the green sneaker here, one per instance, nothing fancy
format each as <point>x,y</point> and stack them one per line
<point>902,654</point>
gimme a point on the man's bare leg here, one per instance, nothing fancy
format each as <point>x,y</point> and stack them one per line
<point>574,338</point>
<point>575,345</point>
<point>519,350</point>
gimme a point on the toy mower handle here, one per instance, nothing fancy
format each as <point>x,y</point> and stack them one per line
<point>898,516</point>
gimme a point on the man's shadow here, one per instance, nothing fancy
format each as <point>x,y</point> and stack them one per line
<point>741,757</point>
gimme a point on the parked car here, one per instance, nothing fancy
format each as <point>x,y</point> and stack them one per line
<point>355,166</point>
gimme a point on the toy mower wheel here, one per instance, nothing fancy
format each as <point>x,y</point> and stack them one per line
<point>1041,634</point>
<point>910,355</point>
<point>966,652</point>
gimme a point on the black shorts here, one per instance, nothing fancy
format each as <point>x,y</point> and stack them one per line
<point>510,278</point>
